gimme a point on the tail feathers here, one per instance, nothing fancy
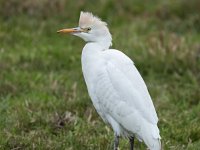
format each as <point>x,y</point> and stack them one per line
<point>151,136</point>
<point>156,145</point>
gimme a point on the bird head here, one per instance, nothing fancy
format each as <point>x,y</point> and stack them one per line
<point>91,29</point>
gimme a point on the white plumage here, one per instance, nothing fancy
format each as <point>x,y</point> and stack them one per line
<point>114,84</point>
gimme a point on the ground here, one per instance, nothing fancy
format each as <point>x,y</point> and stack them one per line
<point>43,98</point>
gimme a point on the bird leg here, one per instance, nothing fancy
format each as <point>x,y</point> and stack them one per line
<point>116,142</point>
<point>131,140</point>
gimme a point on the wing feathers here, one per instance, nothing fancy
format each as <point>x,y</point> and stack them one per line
<point>130,94</point>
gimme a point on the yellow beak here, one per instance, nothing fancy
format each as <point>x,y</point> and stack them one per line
<point>70,30</point>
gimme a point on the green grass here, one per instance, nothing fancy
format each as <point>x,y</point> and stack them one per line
<point>43,98</point>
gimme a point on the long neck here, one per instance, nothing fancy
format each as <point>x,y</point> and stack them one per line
<point>91,54</point>
<point>105,42</point>
<point>92,49</point>
<point>104,39</point>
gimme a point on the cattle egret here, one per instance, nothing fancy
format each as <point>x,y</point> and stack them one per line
<point>115,86</point>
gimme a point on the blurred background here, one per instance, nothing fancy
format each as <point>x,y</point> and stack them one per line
<point>43,98</point>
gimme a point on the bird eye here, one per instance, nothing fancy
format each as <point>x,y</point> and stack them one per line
<point>88,29</point>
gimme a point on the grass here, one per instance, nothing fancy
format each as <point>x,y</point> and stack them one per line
<point>43,98</point>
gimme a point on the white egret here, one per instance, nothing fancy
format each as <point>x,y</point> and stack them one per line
<point>115,86</point>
